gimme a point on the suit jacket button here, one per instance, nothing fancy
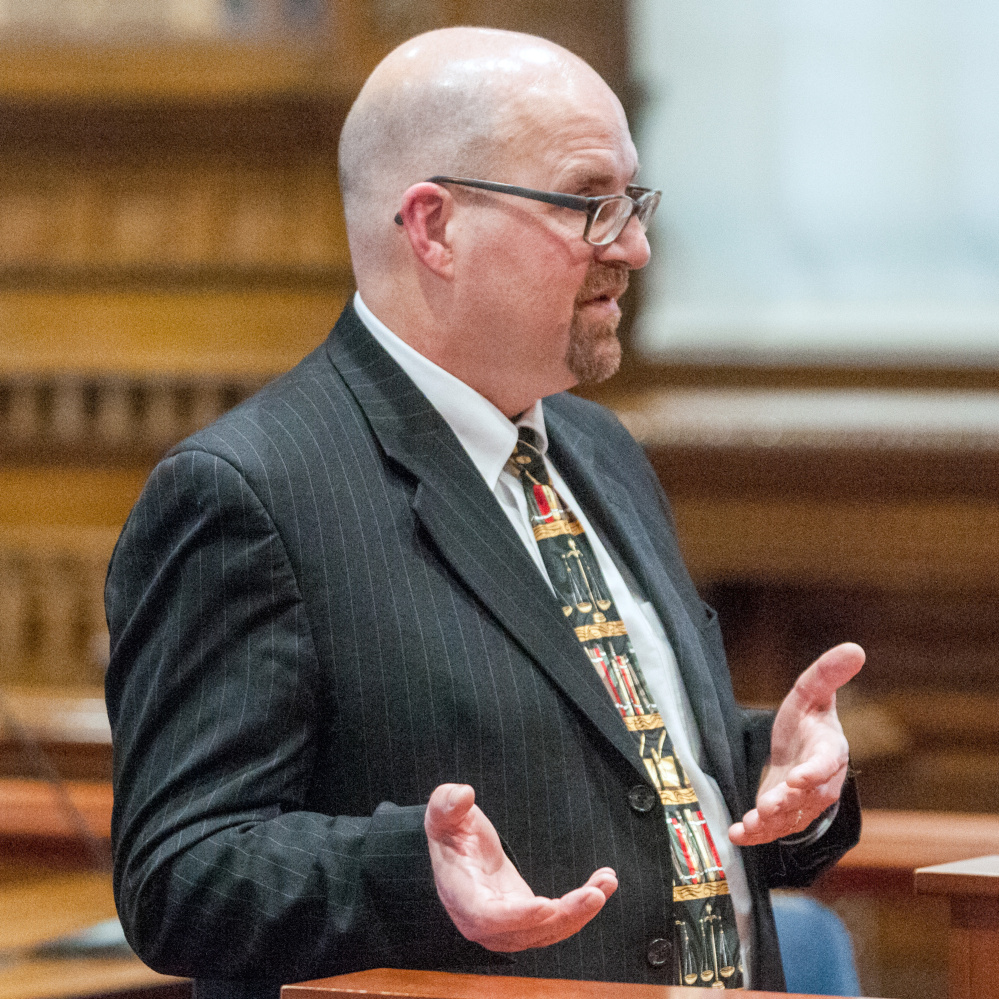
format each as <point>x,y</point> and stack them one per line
<point>659,952</point>
<point>642,798</point>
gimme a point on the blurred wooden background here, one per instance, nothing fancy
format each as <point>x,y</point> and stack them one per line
<point>171,237</point>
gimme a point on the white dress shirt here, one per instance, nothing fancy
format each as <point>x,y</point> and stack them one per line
<point>489,438</point>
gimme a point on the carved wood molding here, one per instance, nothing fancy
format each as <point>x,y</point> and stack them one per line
<point>107,418</point>
<point>52,625</point>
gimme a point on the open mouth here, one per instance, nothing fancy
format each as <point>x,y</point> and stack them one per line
<point>609,297</point>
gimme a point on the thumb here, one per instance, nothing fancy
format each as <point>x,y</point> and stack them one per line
<point>829,672</point>
<point>447,808</point>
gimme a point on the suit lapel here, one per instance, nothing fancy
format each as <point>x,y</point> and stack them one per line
<point>466,523</point>
<point>608,503</point>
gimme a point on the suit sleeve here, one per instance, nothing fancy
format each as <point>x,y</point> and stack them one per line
<point>215,696</point>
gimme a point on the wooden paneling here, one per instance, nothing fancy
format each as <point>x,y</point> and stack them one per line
<point>48,730</point>
<point>170,219</point>
<point>902,545</point>
<point>191,70</point>
<point>78,719</point>
<point>256,332</point>
<point>43,500</point>
<point>171,236</point>
<point>895,841</point>
<point>972,888</point>
<point>977,877</point>
<point>60,529</point>
<point>205,71</point>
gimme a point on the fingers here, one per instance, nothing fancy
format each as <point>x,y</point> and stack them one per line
<point>605,879</point>
<point>447,808</point>
<point>828,673</point>
<point>806,792</point>
<point>783,811</point>
<point>487,899</point>
<point>819,769</point>
<point>539,922</point>
<point>755,829</point>
<point>574,910</point>
<point>809,754</point>
<point>823,761</point>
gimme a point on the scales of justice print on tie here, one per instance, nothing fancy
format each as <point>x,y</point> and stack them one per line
<point>706,943</point>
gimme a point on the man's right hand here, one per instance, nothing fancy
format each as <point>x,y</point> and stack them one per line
<point>490,903</point>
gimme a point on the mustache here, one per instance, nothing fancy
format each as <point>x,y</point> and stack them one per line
<point>603,280</point>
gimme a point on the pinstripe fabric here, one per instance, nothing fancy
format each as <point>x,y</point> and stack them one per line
<point>318,613</point>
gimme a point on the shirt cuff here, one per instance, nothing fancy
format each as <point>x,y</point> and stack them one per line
<point>815,830</point>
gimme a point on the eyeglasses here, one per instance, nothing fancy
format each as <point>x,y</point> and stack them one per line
<point>606,215</point>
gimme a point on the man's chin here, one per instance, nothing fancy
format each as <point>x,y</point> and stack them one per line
<point>594,354</point>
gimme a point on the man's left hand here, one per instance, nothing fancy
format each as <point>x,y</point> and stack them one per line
<point>808,753</point>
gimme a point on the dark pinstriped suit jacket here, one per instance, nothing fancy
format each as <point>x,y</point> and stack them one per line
<point>318,613</point>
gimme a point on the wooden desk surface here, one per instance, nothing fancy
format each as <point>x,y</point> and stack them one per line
<point>977,877</point>
<point>39,905</point>
<point>444,985</point>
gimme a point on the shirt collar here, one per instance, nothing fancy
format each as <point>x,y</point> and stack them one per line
<point>483,431</point>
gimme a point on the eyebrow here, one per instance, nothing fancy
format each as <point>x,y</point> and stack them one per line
<point>590,179</point>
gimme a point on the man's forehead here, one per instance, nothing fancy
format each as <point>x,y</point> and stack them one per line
<point>600,168</point>
<point>580,144</point>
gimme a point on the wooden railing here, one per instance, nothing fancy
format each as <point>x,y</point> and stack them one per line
<point>401,984</point>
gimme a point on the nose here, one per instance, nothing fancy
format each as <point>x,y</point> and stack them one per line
<point>630,248</point>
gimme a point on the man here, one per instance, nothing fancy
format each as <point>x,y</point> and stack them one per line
<point>334,626</point>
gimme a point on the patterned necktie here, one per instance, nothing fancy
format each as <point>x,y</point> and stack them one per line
<point>706,943</point>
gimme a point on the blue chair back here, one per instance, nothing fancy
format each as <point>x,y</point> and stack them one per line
<point>815,946</point>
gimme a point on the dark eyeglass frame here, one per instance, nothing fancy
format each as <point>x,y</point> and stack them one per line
<point>644,201</point>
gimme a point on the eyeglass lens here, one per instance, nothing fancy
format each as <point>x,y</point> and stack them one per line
<point>613,215</point>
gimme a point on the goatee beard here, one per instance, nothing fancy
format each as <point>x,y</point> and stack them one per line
<point>594,351</point>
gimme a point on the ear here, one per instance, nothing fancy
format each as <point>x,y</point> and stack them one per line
<point>426,210</point>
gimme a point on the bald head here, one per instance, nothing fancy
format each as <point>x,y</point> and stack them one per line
<point>500,290</point>
<point>446,102</point>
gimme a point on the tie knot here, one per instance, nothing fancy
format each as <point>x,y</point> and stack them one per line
<point>529,436</point>
<point>527,456</point>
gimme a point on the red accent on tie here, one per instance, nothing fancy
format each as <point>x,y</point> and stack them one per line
<point>608,682</point>
<point>711,842</point>
<point>684,846</point>
<point>636,703</point>
<point>542,500</point>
